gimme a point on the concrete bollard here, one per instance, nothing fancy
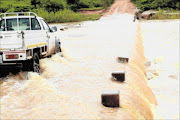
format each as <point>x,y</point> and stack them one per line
<point>119,76</point>
<point>110,98</point>
<point>123,59</point>
<point>62,29</point>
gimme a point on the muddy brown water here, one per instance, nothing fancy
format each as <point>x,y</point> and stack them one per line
<point>70,87</point>
<point>161,40</point>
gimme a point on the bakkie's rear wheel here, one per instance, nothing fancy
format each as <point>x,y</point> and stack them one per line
<point>35,63</point>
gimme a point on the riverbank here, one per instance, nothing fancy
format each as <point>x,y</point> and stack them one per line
<point>157,15</point>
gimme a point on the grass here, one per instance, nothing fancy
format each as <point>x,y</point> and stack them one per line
<point>162,15</point>
<point>65,16</point>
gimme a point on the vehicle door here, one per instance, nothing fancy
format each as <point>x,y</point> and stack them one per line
<point>50,36</point>
<point>34,35</point>
<point>9,38</point>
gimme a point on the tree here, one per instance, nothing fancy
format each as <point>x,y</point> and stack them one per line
<point>53,5</point>
<point>71,1</point>
<point>35,2</point>
<point>156,4</point>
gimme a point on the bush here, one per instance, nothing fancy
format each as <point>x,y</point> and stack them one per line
<point>163,15</point>
<point>53,5</point>
<point>156,4</point>
<point>15,6</point>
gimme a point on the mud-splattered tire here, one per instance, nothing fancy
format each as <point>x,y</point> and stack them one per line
<point>35,63</point>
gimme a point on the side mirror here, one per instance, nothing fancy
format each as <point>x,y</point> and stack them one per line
<point>54,29</point>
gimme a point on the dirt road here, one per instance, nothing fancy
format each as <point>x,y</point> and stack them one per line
<point>121,6</point>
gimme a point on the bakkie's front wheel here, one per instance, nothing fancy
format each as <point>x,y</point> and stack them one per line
<point>58,49</point>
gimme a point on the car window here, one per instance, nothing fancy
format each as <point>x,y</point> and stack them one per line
<point>35,24</point>
<point>2,25</point>
<point>24,24</point>
<point>11,24</point>
<point>45,25</point>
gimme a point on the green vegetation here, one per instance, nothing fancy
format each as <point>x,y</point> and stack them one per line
<point>56,10</point>
<point>157,4</point>
<point>65,16</point>
<point>161,15</point>
<point>14,6</point>
<point>166,9</point>
<point>78,4</point>
<point>95,8</point>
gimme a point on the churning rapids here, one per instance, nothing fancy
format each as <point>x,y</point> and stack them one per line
<point>70,86</point>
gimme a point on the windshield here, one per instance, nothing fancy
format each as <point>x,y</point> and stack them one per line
<point>45,26</point>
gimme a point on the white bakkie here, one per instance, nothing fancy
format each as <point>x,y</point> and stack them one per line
<point>24,39</point>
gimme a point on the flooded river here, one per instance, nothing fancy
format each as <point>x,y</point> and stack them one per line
<point>70,87</point>
<point>161,43</point>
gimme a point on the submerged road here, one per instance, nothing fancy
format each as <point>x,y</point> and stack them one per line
<point>70,87</point>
